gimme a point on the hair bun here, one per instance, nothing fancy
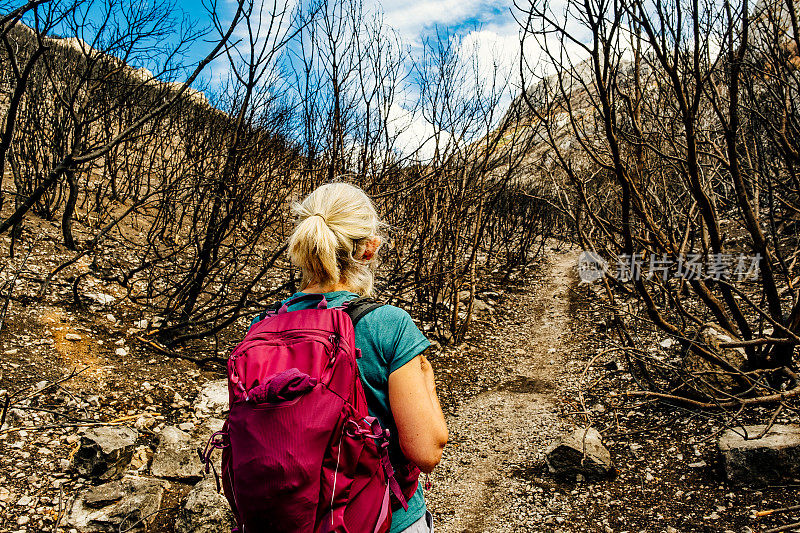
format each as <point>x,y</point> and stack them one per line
<point>324,251</point>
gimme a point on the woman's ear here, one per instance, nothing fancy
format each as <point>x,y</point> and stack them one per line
<point>370,247</point>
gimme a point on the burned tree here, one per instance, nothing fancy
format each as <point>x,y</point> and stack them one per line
<point>657,119</point>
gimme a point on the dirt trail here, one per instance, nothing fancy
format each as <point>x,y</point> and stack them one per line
<point>496,433</point>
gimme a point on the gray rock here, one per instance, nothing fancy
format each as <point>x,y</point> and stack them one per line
<point>207,427</point>
<point>128,504</point>
<point>16,417</point>
<point>205,510</point>
<point>212,399</point>
<point>104,495</point>
<point>580,452</point>
<point>105,452</point>
<point>176,456</point>
<point>771,459</point>
<point>480,306</point>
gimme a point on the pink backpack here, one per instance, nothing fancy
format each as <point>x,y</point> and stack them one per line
<point>299,449</point>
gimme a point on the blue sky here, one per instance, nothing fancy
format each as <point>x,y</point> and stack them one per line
<point>486,28</point>
<point>415,19</point>
<point>488,22</point>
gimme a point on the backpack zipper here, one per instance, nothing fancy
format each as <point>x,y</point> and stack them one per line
<point>334,340</point>
<point>287,335</point>
<point>317,335</point>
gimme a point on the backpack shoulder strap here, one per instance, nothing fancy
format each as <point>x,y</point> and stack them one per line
<point>270,309</point>
<point>356,309</point>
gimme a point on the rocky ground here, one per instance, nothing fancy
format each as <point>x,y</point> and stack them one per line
<point>536,366</point>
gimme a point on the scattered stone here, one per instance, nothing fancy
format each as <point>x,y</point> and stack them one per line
<point>771,459</point>
<point>205,510</point>
<point>100,298</point>
<point>141,457</point>
<point>145,421</point>
<point>175,456</point>
<point>72,337</point>
<point>479,306</point>
<point>16,417</point>
<point>212,399</point>
<point>178,401</point>
<point>128,504</point>
<point>121,352</point>
<point>105,452</point>
<point>580,452</point>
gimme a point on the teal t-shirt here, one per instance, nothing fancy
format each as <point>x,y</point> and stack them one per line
<point>388,339</point>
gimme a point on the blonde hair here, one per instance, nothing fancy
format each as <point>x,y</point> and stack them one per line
<point>334,224</point>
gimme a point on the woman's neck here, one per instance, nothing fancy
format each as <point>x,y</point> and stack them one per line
<point>317,288</point>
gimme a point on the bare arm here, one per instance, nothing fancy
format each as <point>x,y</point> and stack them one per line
<point>415,407</point>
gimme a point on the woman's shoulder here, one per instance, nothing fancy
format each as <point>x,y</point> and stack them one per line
<point>395,332</point>
<point>389,317</point>
<point>388,311</point>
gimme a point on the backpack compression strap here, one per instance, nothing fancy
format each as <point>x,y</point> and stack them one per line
<point>356,309</point>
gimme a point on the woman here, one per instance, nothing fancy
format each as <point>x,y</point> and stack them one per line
<point>334,245</point>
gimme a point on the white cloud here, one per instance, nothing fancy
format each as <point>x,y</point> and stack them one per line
<point>496,52</point>
<point>486,32</point>
<point>414,136</point>
<point>412,18</point>
<point>487,37</point>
